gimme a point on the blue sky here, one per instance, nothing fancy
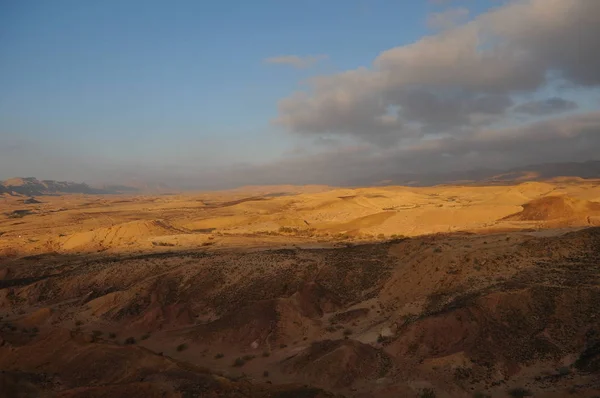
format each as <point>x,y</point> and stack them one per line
<point>88,87</point>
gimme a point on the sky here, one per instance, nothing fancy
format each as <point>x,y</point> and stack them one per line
<point>207,94</point>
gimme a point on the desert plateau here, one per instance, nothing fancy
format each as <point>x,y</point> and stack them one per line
<point>304,291</point>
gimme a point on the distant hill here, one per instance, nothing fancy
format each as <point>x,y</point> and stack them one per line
<point>537,172</point>
<point>31,186</point>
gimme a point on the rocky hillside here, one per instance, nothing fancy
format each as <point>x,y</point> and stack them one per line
<point>456,315</point>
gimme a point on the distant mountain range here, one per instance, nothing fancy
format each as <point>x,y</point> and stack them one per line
<point>537,172</point>
<point>33,187</point>
<point>591,169</point>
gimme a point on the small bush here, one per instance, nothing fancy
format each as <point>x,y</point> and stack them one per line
<point>78,323</point>
<point>437,250</point>
<point>479,394</point>
<point>219,356</point>
<point>266,354</point>
<point>248,357</point>
<point>266,373</point>
<point>112,335</point>
<point>163,244</point>
<point>520,392</point>
<point>384,339</point>
<point>427,393</point>
<point>282,345</point>
<point>145,336</point>
<point>130,340</point>
<point>347,332</point>
<point>239,362</point>
<point>97,333</point>
<point>182,347</point>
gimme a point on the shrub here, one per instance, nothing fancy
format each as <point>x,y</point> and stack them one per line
<point>384,339</point>
<point>112,335</point>
<point>479,394</point>
<point>97,333</point>
<point>427,393</point>
<point>347,332</point>
<point>219,356</point>
<point>239,362</point>
<point>266,354</point>
<point>437,250</point>
<point>182,347</point>
<point>248,357</point>
<point>130,340</point>
<point>145,336</point>
<point>519,392</point>
<point>78,323</point>
<point>266,373</point>
<point>282,345</point>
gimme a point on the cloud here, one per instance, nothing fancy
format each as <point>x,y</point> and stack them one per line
<point>546,107</point>
<point>295,60</point>
<point>560,139</point>
<point>447,19</point>
<point>457,81</point>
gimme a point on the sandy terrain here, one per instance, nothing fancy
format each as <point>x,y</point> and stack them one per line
<point>281,216</point>
<point>304,292</point>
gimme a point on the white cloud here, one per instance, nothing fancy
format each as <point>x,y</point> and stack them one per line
<point>458,80</point>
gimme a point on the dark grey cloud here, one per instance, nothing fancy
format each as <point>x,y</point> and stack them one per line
<point>440,111</point>
<point>562,139</point>
<point>546,107</point>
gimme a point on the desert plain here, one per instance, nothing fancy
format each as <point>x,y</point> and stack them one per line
<point>304,291</point>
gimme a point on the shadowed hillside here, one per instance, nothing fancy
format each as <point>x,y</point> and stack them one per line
<point>454,314</point>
